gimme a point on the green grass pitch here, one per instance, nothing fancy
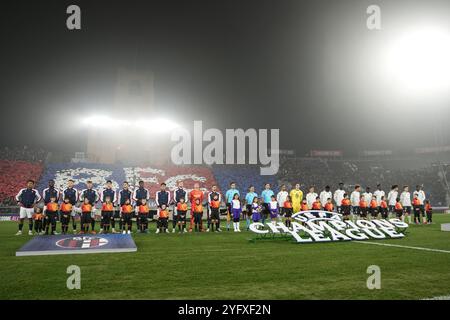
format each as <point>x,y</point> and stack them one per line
<point>229,266</point>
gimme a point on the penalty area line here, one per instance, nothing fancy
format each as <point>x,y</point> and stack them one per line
<point>404,247</point>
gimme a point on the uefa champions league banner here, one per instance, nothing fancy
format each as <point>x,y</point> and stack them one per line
<point>323,226</point>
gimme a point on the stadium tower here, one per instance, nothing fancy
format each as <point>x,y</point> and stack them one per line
<point>133,100</point>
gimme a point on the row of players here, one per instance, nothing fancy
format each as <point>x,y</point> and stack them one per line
<point>135,204</point>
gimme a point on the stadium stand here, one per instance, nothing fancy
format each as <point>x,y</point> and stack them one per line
<point>307,171</point>
<point>320,172</point>
<point>24,153</point>
<point>244,176</point>
<point>152,176</point>
<point>14,175</point>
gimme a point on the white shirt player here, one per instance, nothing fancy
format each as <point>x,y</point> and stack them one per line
<point>281,198</point>
<point>355,197</point>
<point>405,199</point>
<point>378,194</point>
<point>324,195</point>
<point>367,196</point>
<point>392,197</point>
<point>420,195</point>
<point>338,196</point>
<point>310,198</point>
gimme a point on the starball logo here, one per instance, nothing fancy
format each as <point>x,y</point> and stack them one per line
<point>230,149</point>
<point>324,226</point>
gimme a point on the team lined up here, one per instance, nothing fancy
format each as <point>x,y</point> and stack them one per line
<point>124,205</point>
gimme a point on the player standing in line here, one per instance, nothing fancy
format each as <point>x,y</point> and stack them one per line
<point>416,209</point>
<point>163,217</point>
<point>273,209</point>
<point>281,199</point>
<point>228,197</point>
<point>236,210</point>
<point>26,199</point>
<point>214,205</point>
<point>213,197</point>
<point>249,197</point>
<point>109,192</point>
<point>355,198</point>
<point>139,194</point>
<point>287,206</point>
<point>378,193</point>
<point>197,213</point>
<point>125,196</point>
<point>304,205</point>
<point>398,208</point>
<point>142,211</point>
<point>329,205</point>
<point>338,197</point>
<point>86,216</point>
<point>374,208</point>
<point>363,207</point>
<point>405,199</point>
<point>179,194</point>
<point>325,195</point>
<point>92,195</point>
<point>297,196</point>
<point>50,215</point>
<point>107,215</point>
<point>38,218</point>
<point>162,197</point>
<point>266,196</point>
<point>311,197</point>
<point>126,211</point>
<point>72,194</point>
<point>317,205</point>
<point>384,208</point>
<point>429,211</point>
<point>345,207</point>
<point>421,196</point>
<point>66,211</point>
<point>182,208</point>
<point>47,194</point>
<point>256,209</point>
<point>367,195</point>
<point>392,199</point>
<point>194,195</point>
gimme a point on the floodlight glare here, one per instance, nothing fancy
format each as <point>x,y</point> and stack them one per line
<point>418,61</point>
<point>158,125</point>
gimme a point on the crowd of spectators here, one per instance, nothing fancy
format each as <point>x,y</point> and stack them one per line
<point>320,172</point>
<point>24,153</point>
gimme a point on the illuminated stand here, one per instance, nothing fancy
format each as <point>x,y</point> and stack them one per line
<point>323,226</point>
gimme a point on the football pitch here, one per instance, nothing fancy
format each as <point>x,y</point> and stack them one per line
<point>228,266</point>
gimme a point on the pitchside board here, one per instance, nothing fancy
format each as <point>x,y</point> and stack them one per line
<point>77,244</point>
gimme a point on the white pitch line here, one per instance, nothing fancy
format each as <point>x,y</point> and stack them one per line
<point>400,246</point>
<point>438,298</point>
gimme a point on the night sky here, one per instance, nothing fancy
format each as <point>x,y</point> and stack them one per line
<point>300,66</point>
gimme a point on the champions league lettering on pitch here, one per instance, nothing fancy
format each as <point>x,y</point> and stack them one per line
<point>213,153</point>
<point>324,226</point>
